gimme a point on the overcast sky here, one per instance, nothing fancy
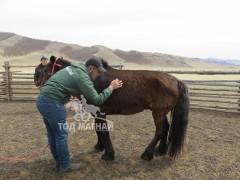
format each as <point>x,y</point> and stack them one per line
<point>190,28</point>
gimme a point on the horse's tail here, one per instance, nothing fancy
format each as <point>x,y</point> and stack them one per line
<point>179,116</point>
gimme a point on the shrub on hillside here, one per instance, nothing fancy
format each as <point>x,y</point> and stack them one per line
<point>79,54</point>
<point>25,46</point>
<point>6,35</point>
<point>132,56</point>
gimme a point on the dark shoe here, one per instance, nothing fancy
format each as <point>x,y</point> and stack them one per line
<point>57,165</point>
<point>73,167</point>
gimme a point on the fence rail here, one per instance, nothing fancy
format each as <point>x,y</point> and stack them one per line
<point>222,95</point>
<point>218,95</point>
<point>18,85</point>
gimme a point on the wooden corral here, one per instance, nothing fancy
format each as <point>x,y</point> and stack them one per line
<point>211,92</point>
<point>218,94</point>
<point>18,85</point>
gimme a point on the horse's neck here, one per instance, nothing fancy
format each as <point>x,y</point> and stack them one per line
<point>65,63</point>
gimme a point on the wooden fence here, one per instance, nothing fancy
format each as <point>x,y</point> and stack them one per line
<point>218,94</point>
<point>17,85</point>
<point>222,94</point>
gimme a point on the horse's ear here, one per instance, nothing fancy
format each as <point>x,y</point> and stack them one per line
<point>102,60</point>
<point>105,63</point>
<point>52,59</point>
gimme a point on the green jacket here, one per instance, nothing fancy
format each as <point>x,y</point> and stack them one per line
<point>73,80</point>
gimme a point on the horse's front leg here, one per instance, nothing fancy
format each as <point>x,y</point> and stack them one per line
<point>100,146</point>
<point>104,141</point>
<point>109,151</point>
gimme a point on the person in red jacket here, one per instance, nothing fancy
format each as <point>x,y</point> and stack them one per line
<point>39,71</point>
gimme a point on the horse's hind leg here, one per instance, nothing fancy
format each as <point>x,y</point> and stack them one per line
<point>158,120</point>
<point>162,148</point>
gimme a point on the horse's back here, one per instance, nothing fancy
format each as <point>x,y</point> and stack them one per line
<point>141,90</point>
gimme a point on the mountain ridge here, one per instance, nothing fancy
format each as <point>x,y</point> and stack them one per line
<point>20,48</point>
<point>224,61</point>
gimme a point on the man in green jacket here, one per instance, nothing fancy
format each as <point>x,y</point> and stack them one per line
<point>74,80</point>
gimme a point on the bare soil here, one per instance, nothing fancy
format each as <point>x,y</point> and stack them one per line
<point>211,149</point>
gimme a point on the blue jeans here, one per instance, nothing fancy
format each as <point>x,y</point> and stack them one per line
<point>53,113</point>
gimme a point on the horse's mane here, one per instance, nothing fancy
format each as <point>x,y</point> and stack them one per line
<point>105,64</point>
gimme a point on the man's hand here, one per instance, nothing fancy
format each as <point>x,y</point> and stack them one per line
<point>115,84</point>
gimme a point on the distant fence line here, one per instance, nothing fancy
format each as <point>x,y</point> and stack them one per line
<point>222,95</point>
<point>204,72</point>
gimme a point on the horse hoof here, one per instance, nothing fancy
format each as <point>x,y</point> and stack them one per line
<point>160,152</point>
<point>99,148</point>
<point>107,157</point>
<point>146,157</point>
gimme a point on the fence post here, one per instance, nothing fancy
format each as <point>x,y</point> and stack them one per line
<point>121,66</point>
<point>239,96</point>
<point>7,79</point>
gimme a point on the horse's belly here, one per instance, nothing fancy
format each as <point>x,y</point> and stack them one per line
<point>123,110</point>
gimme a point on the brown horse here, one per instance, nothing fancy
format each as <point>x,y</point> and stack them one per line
<point>157,91</point>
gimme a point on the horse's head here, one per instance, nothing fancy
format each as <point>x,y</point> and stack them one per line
<point>103,81</point>
<point>55,64</point>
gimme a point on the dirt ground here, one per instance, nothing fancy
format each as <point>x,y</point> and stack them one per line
<point>211,150</point>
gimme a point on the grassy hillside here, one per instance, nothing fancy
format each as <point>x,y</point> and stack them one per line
<point>21,50</point>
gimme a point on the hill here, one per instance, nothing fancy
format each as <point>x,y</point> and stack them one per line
<point>224,61</point>
<point>23,50</point>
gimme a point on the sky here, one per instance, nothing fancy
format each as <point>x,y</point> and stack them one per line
<point>188,28</point>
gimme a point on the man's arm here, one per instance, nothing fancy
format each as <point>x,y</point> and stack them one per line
<point>86,87</point>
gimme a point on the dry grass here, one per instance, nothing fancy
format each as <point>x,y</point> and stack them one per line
<point>211,149</point>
